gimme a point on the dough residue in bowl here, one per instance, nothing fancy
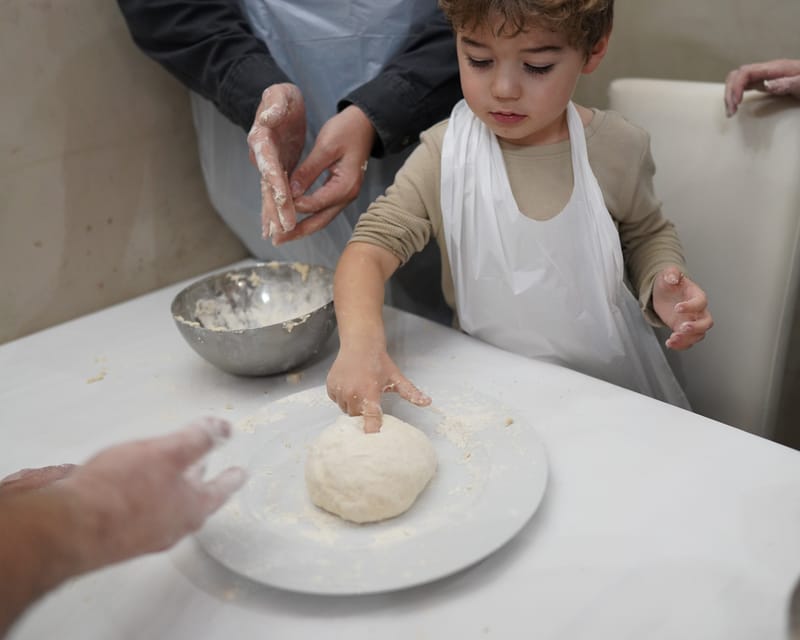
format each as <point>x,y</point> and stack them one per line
<point>248,307</point>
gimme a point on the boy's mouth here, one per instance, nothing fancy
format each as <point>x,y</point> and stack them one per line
<point>506,117</point>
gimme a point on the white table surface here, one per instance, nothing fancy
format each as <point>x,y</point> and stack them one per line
<point>657,523</point>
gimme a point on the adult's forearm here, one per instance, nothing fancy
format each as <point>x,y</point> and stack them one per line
<point>210,47</point>
<point>42,543</point>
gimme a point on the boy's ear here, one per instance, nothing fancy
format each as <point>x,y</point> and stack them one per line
<point>597,54</point>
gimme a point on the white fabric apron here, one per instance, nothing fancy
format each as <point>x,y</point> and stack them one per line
<point>327,48</point>
<point>552,290</point>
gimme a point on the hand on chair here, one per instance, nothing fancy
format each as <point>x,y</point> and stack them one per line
<point>682,306</point>
<point>778,77</point>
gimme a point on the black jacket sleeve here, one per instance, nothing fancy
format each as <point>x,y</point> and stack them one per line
<point>417,89</point>
<point>210,47</point>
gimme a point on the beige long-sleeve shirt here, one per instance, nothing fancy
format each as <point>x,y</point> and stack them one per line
<point>409,214</point>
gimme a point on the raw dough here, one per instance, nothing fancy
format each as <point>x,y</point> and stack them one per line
<point>366,477</point>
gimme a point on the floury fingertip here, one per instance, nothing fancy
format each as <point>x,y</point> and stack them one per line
<point>218,429</point>
<point>422,399</point>
<point>232,479</point>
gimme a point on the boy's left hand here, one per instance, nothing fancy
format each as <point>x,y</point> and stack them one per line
<point>682,306</point>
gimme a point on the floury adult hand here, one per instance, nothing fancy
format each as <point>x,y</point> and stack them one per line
<point>131,499</point>
<point>356,382</point>
<point>342,149</point>
<point>778,77</point>
<point>139,497</point>
<point>682,306</point>
<point>276,141</point>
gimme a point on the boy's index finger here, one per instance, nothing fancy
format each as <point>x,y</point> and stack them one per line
<point>373,416</point>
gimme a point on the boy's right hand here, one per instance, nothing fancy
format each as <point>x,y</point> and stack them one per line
<point>358,378</point>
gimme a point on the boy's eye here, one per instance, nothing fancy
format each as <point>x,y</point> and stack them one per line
<point>473,62</point>
<point>538,70</point>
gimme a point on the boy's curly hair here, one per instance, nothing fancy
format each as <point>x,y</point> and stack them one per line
<point>583,22</point>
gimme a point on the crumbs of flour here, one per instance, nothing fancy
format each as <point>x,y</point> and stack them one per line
<point>460,429</point>
<point>392,536</point>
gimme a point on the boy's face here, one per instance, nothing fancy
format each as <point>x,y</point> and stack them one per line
<point>519,86</point>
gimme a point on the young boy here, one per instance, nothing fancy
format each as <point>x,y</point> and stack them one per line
<point>533,201</point>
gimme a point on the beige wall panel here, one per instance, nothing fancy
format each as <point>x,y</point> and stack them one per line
<point>101,197</point>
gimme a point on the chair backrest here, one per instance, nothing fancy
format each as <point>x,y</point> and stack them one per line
<point>732,188</point>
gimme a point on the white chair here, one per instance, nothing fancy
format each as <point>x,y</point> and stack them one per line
<point>732,188</point>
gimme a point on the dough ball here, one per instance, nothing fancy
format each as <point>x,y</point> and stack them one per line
<point>366,477</point>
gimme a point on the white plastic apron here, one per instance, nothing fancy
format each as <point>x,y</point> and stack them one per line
<point>551,290</point>
<point>327,48</point>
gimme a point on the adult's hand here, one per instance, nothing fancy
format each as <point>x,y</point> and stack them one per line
<point>777,77</point>
<point>276,141</point>
<point>130,499</point>
<point>342,148</point>
<point>144,496</point>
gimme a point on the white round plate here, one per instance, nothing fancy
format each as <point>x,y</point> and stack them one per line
<point>491,476</point>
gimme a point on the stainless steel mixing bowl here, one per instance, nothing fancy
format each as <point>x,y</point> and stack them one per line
<point>258,320</point>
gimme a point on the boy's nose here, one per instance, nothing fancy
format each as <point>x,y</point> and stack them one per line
<point>505,86</point>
